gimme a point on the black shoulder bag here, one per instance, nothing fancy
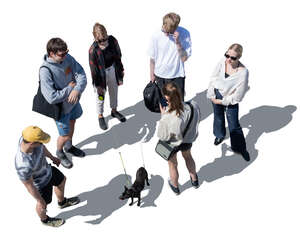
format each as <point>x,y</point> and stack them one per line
<point>164,148</point>
<point>40,104</point>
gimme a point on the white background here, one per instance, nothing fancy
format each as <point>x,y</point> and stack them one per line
<point>235,200</point>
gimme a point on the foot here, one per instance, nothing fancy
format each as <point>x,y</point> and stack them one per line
<point>195,183</point>
<point>245,155</point>
<point>76,152</point>
<point>102,123</point>
<point>67,163</point>
<point>173,188</point>
<point>53,222</point>
<point>218,141</point>
<point>119,116</point>
<point>67,202</point>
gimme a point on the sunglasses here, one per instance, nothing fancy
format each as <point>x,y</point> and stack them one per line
<point>231,57</point>
<point>102,40</point>
<point>62,54</point>
<point>169,33</point>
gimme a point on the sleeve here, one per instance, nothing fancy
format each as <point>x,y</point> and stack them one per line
<point>95,72</point>
<point>215,75</point>
<point>79,75</point>
<point>24,169</point>
<point>163,132</point>
<point>49,91</point>
<point>119,53</point>
<point>169,129</point>
<point>151,48</point>
<point>240,91</point>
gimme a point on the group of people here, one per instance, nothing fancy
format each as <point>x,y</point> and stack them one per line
<point>63,80</point>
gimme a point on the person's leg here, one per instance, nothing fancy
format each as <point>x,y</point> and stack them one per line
<point>190,164</point>
<point>174,176</point>
<point>219,129</point>
<point>112,88</point>
<point>180,82</point>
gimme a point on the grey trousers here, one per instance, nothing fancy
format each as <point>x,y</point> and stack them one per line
<point>112,87</point>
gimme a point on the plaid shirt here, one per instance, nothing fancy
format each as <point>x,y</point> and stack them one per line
<point>97,64</point>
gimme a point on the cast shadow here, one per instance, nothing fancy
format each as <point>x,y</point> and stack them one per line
<point>105,200</point>
<point>260,120</point>
<point>140,126</point>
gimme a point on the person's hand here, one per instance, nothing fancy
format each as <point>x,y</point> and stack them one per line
<point>216,101</point>
<point>152,78</point>
<point>162,109</point>
<point>41,206</point>
<point>100,91</point>
<point>73,97</point>
<point>72,84</point>
<point>56,161</point>
<point>176,37</point>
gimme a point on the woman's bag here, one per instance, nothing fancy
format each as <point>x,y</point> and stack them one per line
<point>164,148</point>
<point>40,104</point>
<point>152,97</point>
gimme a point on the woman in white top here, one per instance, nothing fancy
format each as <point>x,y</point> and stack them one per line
<point>228,85</point>
<point>174,120</point>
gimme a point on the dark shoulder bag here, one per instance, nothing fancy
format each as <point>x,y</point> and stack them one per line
<point>164,148</point>
<point>40,104</point>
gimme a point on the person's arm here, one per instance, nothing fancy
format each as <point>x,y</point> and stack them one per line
<point>240,91</point>
<point>214,76</point>
<point>41,204</point>
<point>81,81</point>
<point>55,160</point>
<point>51,94</point>
<point>152,65</point>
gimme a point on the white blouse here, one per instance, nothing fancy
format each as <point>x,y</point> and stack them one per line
<point>232,88</point>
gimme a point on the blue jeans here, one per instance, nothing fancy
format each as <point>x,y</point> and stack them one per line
<point>237,139</point>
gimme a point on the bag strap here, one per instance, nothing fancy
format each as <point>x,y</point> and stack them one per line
<point>51,76</point>
<point>190,120</point>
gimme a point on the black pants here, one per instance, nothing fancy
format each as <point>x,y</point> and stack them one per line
<point>179,81</point>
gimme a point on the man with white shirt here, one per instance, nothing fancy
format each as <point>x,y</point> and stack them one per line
<point>169,48</point>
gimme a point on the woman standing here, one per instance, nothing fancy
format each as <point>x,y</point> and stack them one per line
<point>107,71</point>
<point>228,85</point>
<point>174,120</point>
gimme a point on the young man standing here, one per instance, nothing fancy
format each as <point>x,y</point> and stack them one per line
<point>169,48</point>
<point>38,176</point>
<point>63,80</point>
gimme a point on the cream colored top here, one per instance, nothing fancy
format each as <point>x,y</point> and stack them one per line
<point>232,88</point>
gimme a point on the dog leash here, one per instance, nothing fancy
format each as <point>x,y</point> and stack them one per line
<point>142,155</point>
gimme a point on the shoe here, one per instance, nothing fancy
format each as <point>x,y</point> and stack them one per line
<point>118,116</point>
<point>76,152</point>
<point>67,163</point>
<point>245,155</point>
<point>195,183</point>
<point>102,123</point>
<point>69,202</point>
<point>218,141</point>
<point>54,222</point>
<point>174,189</point>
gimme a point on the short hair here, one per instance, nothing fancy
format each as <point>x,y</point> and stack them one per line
<point>172,91</point>
<point>98,31</point>
<point>171,22</point>
<point>237,48</point>
<point>56,45</point>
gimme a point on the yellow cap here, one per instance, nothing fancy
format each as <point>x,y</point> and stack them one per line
<point>35,134</point>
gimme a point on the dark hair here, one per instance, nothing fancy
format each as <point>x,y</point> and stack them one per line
<point>56,45</point>
<point>171,90</point>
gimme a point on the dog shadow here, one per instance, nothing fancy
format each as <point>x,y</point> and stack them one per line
<point>155,189</point>
<point>260,120</point>
<point>100,201</point>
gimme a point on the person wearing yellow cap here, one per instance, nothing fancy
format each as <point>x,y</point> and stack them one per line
<point>38,176</point>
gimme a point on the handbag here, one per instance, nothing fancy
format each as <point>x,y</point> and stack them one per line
<point>164,148</point>
<point>42,106</point>
<point>152,97</point>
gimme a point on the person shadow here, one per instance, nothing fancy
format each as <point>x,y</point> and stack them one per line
<point>105,200</point>
<point>140,126</point>
<point>260,120</point>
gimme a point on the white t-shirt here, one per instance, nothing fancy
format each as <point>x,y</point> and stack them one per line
<point>164,52</point>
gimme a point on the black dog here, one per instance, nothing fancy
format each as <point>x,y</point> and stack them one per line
<point>137,187</point>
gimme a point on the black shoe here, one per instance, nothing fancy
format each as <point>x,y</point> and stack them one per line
<point>195,183</point>
<point>76,152</point>
<point>174,189</point>
<point>102,123</point>
<point>218,141</point>
<point>118,116</point>
<point>69,202</point>
<point>245,155</point>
